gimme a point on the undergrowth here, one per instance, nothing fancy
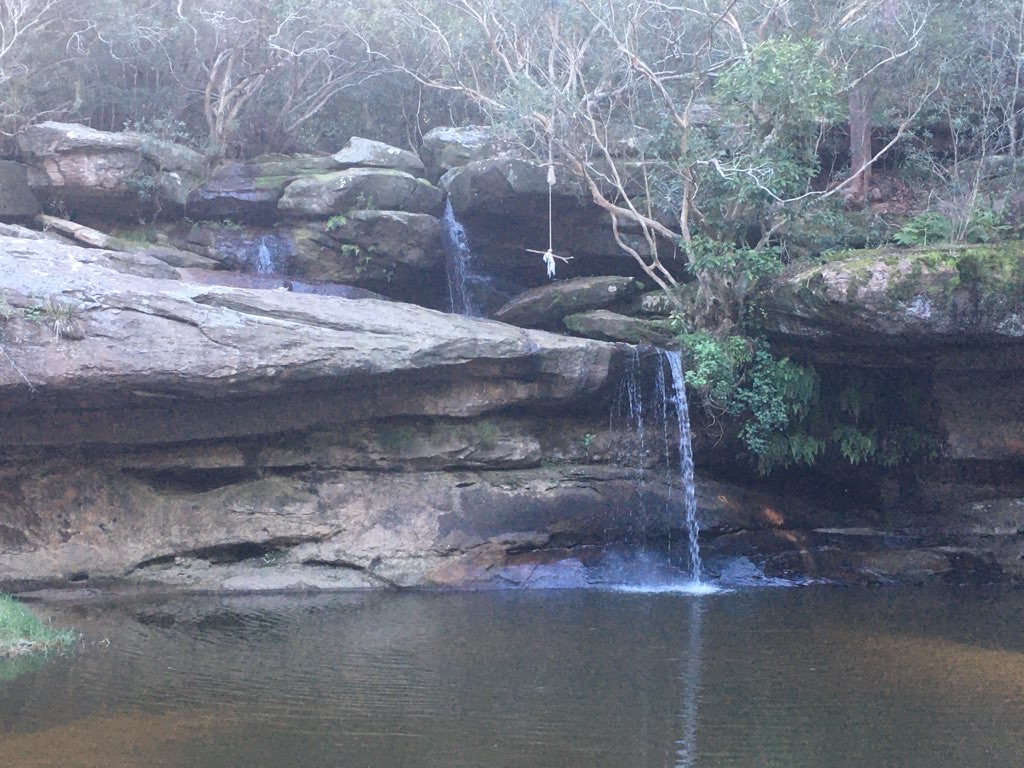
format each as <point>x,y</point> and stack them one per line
<point>789,414</point>
<point>22,632</point>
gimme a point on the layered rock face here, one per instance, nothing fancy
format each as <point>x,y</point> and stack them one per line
<point>166,417</point>
<point>948,323</point>
<point>157,429</point>
<point>161,428</point>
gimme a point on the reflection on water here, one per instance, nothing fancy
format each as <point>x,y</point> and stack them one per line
<point>687,743</point>
<point>787,678</point>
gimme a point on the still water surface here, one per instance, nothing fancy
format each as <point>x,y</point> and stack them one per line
<point>792,678</point>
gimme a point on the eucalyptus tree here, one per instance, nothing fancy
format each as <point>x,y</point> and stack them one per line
<point>226,74</point>
<point>694,123</point>
<point>27,34</point>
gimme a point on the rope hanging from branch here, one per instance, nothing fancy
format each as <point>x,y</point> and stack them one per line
<point>549,255</point>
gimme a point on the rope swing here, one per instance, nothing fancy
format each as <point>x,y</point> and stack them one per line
<point>549,255</point>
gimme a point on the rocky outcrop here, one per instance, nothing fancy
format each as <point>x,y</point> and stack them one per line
<point>955,316</point>
<point>445,148</point>
<point>163,422</point>
<point>329,194</point>
<point>916,301</point>
<point>147,405</point>
<point>248,191</point>
<point>217,437</point>
<point>947,325</point>
<point>546,306</point>
<point>145,339</point>
<point>366,153</point>
<point>114,175</point>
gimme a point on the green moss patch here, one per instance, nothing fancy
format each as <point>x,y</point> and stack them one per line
<point>992,271</point>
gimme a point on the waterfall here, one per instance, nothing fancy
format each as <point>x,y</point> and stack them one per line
<point>459,265</point>
<point>631,409</point>
<point>685,446</point>
<point>265,259</point>
<point>668,414</point>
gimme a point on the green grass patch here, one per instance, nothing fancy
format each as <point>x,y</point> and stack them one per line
<point>22,632</point>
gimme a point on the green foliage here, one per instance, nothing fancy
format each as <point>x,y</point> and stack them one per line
<point>714,367</point>
<point>740,263</point>
<point>739,377</point>
<point>855,446</point>
<point>777,393</point>
<point>777,95</point>
<point>781,84</point>
<point>337,221</point>
<point>932,227</point>
<point>925,228</point>
<point>22,632</point>
<point>790,414</point>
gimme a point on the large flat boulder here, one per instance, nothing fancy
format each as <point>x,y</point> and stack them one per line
<point>328,194</point>
<point>115,175</point>
<point>902,299</point>
<point>146,343</point>
<point>367,153</point>
<point>613,326</point>
<point>544,307</point>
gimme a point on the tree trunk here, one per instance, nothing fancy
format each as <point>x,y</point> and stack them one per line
<point>860,143</point>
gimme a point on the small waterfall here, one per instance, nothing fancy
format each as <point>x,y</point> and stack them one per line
<point>459,259</point>
<point>669,415</point>
<point>630,408</point>
<point>265,259</point>
<point>682,409</point>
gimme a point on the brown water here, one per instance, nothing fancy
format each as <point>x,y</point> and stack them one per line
<point>791,678</point>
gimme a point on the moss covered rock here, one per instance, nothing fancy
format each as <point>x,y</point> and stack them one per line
<point>951,294</point>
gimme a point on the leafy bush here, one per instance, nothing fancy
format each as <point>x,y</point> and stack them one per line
<point>790,414</point>
<point>925,228</point>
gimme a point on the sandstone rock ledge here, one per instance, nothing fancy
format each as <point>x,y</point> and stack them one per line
<point>137,406</point>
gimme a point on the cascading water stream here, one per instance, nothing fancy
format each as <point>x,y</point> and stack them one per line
<point>265,259</point>
<point>669,397</point>
<point>459,259</point>
<point>682,409</point>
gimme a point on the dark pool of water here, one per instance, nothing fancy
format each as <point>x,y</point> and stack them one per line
<point>792,678</point>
